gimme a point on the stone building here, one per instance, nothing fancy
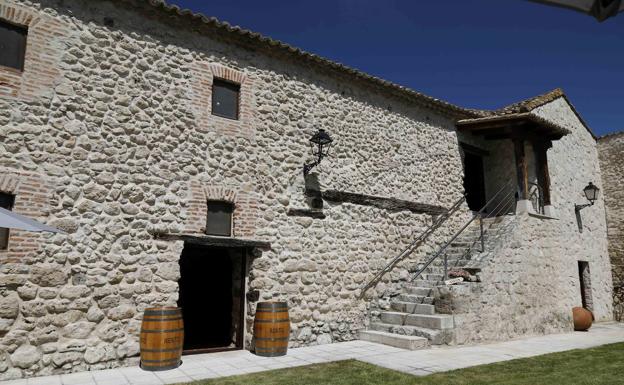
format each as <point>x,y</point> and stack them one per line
<point>170,147</point>
<point>611,151</point>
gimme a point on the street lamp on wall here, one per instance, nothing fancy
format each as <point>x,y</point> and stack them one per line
<point>591,193</point>
<point>320,143</point>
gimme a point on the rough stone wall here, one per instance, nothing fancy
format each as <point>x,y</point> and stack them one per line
<point>573,163</point>
<point>116,146</point>
<point>611,150</point>
<point>121,139</point>
<point>531,283</point>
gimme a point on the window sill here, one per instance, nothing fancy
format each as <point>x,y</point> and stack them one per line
<point>12,70</point>
<point>226,117</point>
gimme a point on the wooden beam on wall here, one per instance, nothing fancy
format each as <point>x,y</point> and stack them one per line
<point>392,204</point>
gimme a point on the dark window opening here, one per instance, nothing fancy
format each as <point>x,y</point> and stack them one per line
<point>12,45</point>
<point>225,96</point>
<point>219,219</point>
<point>6,202</point>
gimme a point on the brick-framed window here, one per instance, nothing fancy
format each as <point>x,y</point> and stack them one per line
<point>30,53</point>
<point>222,99</point>
<point>219,218</point>
<point>12,45</point>
<point>225,98</point>
<point>6,202</point>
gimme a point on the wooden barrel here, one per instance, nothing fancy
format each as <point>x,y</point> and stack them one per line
<point>271,329</point>
<point>582,318</point>
<point>162,337</point>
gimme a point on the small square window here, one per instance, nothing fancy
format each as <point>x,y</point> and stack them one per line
<point>6,202</point>
<point>219,220</point>
<point>12,45</point>
<point>225,97</point>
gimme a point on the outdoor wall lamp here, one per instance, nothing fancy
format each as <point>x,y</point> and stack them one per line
<point>320,144</point>
<point>591,193</point>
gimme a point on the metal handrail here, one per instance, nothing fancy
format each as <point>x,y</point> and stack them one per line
<point>457,234</point>
<point>412,246</point>
<point>498,209</point>
<point>508,199</point>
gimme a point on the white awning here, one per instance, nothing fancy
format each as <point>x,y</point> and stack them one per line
<point>11,220</point>
<point>600,9</point>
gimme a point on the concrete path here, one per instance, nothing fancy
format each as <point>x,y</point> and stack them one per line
<point>419,362</point>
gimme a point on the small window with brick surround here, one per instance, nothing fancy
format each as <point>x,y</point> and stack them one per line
<point>225,98</point>
<point>12,45</point>
<point>6,202</point>
<point>219,219</point>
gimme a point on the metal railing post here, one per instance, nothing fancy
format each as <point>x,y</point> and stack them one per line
<point>482,237</point>
<point>445,266</point>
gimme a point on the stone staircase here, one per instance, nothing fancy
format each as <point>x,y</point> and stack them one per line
<point>412,322</point>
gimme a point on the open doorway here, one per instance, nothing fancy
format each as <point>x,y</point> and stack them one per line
<point>474,180</point>
<point>211,288</point>
<point>585,282</point>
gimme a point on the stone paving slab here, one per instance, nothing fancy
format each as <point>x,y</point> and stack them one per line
<point>418,362</point>
<point>423,362</point>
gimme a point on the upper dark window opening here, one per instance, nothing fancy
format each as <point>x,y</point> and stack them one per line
<point>225,98</point>
<point>219,218</point>
<point>6,202</point>
<point>12,45</point>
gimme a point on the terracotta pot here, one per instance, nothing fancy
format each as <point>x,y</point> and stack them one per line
<point>582,318</point>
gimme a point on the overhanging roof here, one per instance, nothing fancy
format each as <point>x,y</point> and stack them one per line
<point>509,125</point>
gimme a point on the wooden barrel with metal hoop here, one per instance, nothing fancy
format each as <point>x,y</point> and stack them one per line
<point>162,337</point>
<point>271,329</point>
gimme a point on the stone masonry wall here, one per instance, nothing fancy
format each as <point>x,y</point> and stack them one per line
<point>530,284</point>
<point>114,144</point>
<point>611,150</point>
<point>123,147</point>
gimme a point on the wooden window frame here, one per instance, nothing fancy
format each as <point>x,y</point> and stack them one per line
<point>217,81</point>
<point>232,207</point>
<point>5,246</point>
<point>22,29</point>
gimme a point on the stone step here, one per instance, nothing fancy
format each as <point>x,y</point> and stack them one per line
<point>434,276</point>
<point>435,336</point>
<point>415,290</point>
<point>431,270</point>
<point>396,340</point>
<point>436,321</point>
<point>412,308</point>
<point>416,298</point>
<point>427,283</point>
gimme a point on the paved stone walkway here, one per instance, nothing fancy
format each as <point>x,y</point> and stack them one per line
<point>419,362</point>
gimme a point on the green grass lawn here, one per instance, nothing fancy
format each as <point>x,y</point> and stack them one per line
<point>598,366</point>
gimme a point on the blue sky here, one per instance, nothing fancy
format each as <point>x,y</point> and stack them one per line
<point>476,53</point>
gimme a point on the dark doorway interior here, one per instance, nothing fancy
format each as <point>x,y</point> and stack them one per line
<point>585,281</point>
<point>474,181</point>
<point>211,297</point>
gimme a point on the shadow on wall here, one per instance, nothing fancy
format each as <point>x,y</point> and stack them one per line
<point>313,193</point>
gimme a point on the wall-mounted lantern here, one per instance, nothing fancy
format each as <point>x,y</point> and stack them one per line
<point>320,144</point>
<point>591,193</point>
